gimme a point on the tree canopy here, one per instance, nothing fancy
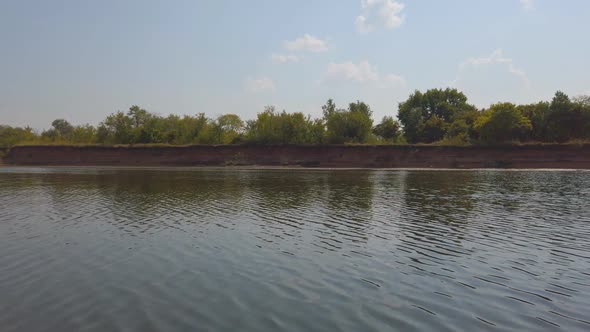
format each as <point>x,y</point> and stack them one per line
<point>388,129</point>
<point>502,123</point>
<point>352,125</point>
<point>427,117</point>
<point>435,116</point>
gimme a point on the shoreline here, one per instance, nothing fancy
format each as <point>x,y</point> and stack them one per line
<point>282,168</point>
<point>307,157</point>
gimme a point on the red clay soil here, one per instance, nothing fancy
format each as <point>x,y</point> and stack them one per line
<point>331,156</point>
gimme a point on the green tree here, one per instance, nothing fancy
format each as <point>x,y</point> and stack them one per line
<point>583,100</point>
<point>461,130</point>
<point>61,131</point>
<point>118,127</point>
<point>138,115</point>
<point>271,127</point>
<point>426,117</point>
<point>502,123</point>
<point>329,108</point>
<point>566,120</point>
<point>413,124</point>
<point>85,134</point>
<point>11,136</point>
<point>582,103</point>
<point>316,132</point>
<point>434,129</point>
<point>348,126</point>
<point>361,108</point>
<point>62,127</point>
<point>388,129</point>
<point>537,114</point>
<point>232,128</point>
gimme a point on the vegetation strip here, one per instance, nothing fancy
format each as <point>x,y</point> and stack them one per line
<point>438,117</point>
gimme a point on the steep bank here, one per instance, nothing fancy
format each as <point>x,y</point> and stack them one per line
<point>3,152</point>
<point>403,156</point>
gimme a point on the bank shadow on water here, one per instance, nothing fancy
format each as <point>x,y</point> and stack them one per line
<point>354,197</point>
<point>150,197</point>
<point>330,207</point>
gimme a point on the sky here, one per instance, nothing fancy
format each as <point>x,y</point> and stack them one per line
<point>82,60</point>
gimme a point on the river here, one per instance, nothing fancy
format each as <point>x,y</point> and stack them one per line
<point>177,249</point>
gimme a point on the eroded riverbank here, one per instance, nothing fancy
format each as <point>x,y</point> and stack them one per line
<point>542,156</point>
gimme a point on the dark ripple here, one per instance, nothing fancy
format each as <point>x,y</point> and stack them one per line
<point>139,250</point>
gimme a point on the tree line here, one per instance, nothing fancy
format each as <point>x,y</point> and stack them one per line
<point>437,116</point>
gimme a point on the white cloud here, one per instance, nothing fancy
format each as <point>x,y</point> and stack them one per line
<point>527,4</point>
<point>362,26</point>
<point>260,84</point>
<point>395,79</point>
<point>520,73</point>
<point>497,57</point>
<point>386,13</point>
<point>363,72</point>
<point>306,43</point>
<point>284,58</point>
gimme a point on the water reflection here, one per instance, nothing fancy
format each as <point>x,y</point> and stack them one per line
<point>294,250</point>
<point>449,195</point>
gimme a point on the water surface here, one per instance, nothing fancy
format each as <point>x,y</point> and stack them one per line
<point>104,249</point>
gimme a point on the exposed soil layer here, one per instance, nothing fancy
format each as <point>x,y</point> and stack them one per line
<point>330,156</point>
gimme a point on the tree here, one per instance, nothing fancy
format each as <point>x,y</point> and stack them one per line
<point>361,108</point>
<point>231,122</point>
<point>316,132</point>
<point>560,101</point>
<point>271,127</point>
<point>537,115</point>
<point>329,108</point>
<point>85,134</point>
<point>582,104</point>
<point>426,117</point>
<point>10,136</point>
<point>388,129</point>
<point>582,100</point>
<point>138,115</point>
<point>413,124</point>
<point>348,126</point>
<point>567,120</point>
<point>118,129</point>
<point>502,123</point>
<point>231,127</point>
<point>461,130</point>
<point>437,115</point>
<point>434,129</point>
<point>62,128</point>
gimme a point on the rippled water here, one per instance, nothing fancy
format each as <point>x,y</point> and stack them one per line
<point>283,250</point>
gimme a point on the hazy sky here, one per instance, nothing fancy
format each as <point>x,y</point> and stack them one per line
<point>82,60</point>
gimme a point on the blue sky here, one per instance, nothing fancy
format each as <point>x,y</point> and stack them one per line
<point>82,60</point>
